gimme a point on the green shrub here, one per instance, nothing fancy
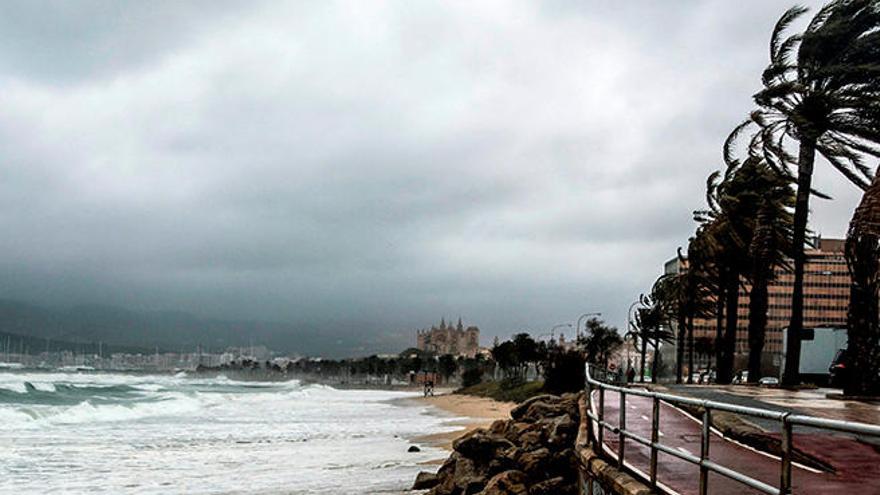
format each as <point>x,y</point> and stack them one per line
<point>471,377</point>
<point>564,372</point>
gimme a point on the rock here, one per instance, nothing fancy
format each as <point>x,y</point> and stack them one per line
<point>481,446</point>
<point>456,475</point>
<point>448,466</point>
<point>531,454</point>
<point>535,463</point>
<point>570,402</point>
<point>464,468</point>
<point>541,409</point>
<point>507,483</point>
<point>532,439</point>
<point>561,430</point>
<point>413,448</point>
<point>504,460</point>
<point>565,462</point>
<point>552,486</point>
<point>499,427</point>
<point>425,481</point>
<point>446,487</point>
<point>474,486</point>
<point>466,474</point>
<point>519,411</point>
<point>515,430</point>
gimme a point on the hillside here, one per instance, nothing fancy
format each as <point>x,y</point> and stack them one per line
<point>176,331</point>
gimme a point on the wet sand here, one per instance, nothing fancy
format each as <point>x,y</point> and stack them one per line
<point>465,411</point>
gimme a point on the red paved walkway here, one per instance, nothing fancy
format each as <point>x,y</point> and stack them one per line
<point>857,465</point>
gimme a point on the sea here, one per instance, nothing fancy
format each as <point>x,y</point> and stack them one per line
<point>95,432</point>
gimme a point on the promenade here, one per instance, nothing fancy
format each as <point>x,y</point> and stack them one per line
<point>856,464</point>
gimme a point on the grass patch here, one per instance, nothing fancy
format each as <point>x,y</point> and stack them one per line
<point>505,390</point>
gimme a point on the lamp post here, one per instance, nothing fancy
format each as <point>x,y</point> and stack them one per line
<point>585,315</point>
<point>552,330</point>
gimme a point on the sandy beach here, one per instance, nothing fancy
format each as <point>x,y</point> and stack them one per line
<point>478,412</point>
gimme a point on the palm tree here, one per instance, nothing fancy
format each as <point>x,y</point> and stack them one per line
<point>698,288</point>
<point>652,329</point>
<point>821,89</point>
<point>771,230</point>
<point>599,342</point>
<point>729,228</point>
<point>669,293</point>
<point>863,260</point>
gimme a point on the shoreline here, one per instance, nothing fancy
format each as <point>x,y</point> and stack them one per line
<point>466,412</point>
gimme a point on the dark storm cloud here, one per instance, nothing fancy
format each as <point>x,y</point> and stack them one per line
<point>387,163</point>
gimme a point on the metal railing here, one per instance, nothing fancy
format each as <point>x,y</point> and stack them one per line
<point>786,420</point>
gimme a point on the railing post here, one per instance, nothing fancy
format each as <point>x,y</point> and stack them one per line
<point>621,438</point>
<point>600,433</point>
<point>655,437</point>
<point>785,474</point>
<point>704,450</point>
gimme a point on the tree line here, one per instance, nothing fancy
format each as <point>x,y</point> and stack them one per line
<point>560,366</point>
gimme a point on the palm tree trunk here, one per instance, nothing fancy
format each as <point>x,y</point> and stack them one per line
<point>679,350</point>
<point>806,157</point>
<point>725,368</point>
<point>642,364</point>
<point>690,337</point>
<point>864,339</point>
<point>719,318</point>
<point>757,325</point>
<point>655,365</point>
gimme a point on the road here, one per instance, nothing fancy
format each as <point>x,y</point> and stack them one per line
<point>857,465</point>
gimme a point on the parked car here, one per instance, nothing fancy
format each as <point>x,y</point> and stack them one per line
<point>838,369</point>
<point>768,381</point>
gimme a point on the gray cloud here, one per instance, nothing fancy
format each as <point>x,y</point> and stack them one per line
<point>387,163</point>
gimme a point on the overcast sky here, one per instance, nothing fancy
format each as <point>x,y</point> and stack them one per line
<point>517,163</point>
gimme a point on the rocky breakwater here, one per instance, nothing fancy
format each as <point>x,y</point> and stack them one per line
<point>530,454</point>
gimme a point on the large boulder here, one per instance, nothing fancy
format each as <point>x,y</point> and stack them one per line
<point>535,463</point>
<point>481,446</point>
<point>446,487</point>
<point>532,439</point>
<point>515,429</point>
<point>504,460</point>
<point>425,481</point>
<point>499,426</point>
<point>520,410</point>
<point>544,409</point>
<point>507,483</point>
<point>560,430</point>
<point>553,486</point>
<point>566,463</point>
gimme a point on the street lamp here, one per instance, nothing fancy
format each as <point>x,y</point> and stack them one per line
<point>558,326</point>
<point>585,315</point>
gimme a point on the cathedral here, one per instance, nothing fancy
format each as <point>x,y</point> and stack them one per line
<point>449,339</point>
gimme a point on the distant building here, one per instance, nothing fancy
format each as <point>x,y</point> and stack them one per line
<point>449,339</point>
<point>826,300</point>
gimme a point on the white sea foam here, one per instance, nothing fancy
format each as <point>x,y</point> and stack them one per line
<point>116,433</point>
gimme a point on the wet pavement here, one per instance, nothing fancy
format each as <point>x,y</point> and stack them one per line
<point>813,402</point>
<point>809,402</point>
<point>857,464</point>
